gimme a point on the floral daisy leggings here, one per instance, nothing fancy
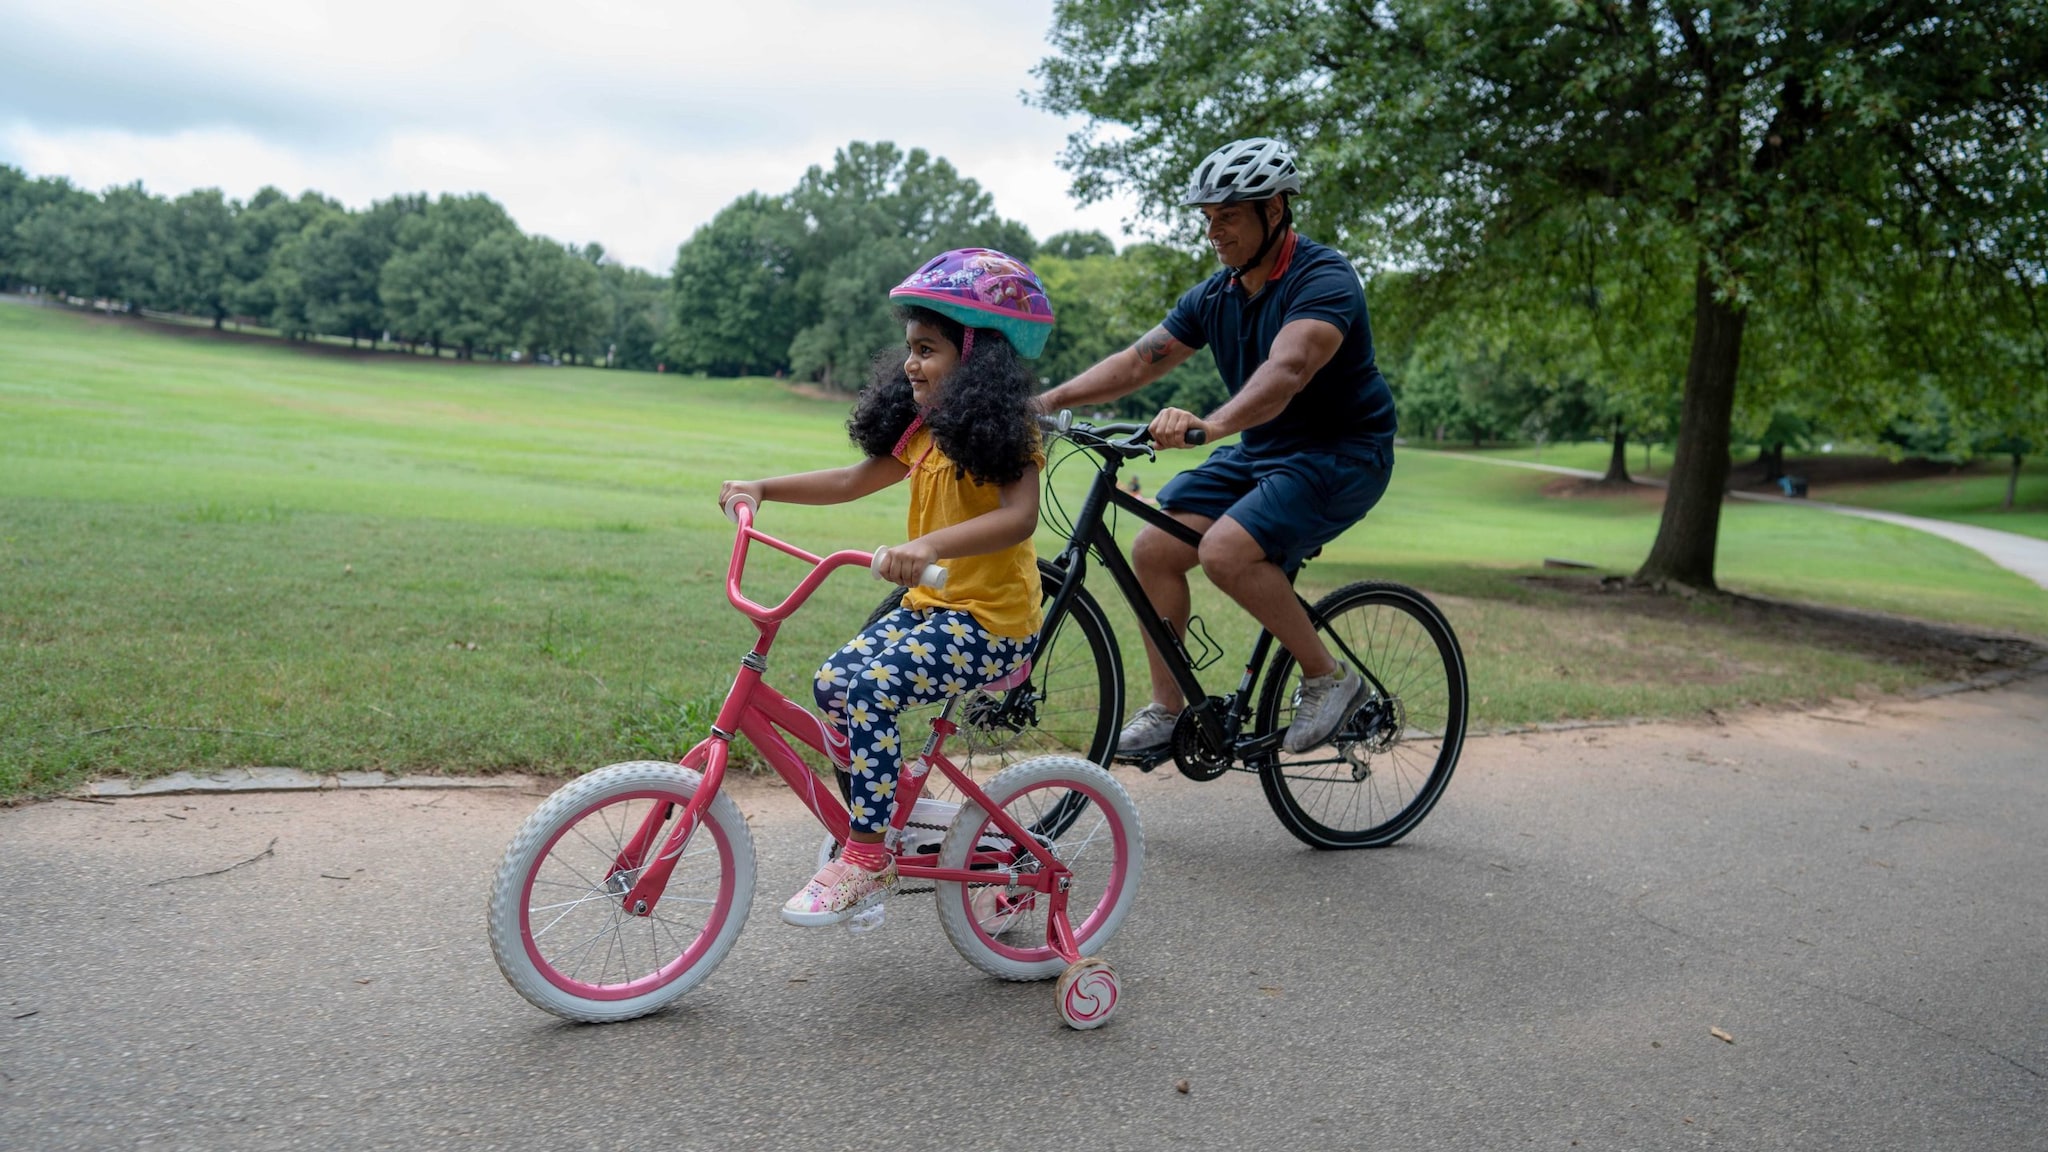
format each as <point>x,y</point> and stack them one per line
<point>904,659</point>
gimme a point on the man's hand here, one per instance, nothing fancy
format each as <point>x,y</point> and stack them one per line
<point>1170,428</point>
<point>905,563</point>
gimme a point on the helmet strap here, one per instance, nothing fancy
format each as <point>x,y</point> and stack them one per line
<point>966,342</point>
<point>903,441</point>
<point>1268,236</point>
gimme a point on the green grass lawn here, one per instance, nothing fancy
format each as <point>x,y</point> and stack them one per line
<point>219,553</point>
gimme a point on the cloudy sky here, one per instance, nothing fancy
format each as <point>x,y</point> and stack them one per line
<point>627,123</point>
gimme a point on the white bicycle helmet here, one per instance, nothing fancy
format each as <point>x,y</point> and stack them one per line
<point>1256,168</point>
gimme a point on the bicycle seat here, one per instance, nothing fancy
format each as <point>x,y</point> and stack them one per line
<point>1010,681</point>
<point>1303,562</point>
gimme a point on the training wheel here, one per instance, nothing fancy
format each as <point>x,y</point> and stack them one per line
<point>1087,993</point>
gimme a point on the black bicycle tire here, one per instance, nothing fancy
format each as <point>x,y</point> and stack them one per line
<point>1274,775</point>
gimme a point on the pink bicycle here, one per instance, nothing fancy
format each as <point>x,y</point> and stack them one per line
<point>627,886</point>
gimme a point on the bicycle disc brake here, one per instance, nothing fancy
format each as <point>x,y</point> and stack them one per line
<point>1374,728</point>
<point>1191,751</point>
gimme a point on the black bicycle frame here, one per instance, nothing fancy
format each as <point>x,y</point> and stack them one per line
<point>1091,531</point>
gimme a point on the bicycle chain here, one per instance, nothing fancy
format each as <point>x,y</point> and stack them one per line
<point>929,828</point>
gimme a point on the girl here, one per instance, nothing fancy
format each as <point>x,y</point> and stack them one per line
<point>957,413</point>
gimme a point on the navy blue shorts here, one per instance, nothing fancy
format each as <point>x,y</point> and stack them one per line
<point>1292,505</point>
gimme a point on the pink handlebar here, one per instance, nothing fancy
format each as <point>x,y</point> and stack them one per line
<point>741,512</point>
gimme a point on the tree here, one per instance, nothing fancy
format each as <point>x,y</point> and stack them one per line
<point>263,226</point>
<point>201,229</point>
<point>50,244</point>
<point>26,257</point>
<point>445,282</point>
<point>733,295</point>
<point>1077,245</point>
<point>870,219</point>
<point>636,307</point>
<point>1103,303</point>
<point>800,281</point>
<point>1764,136</point>
<point>557,302</point>
<point>330,272</point>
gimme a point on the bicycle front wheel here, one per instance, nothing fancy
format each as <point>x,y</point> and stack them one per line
<point>1389,762</point>
<point>558,925</point>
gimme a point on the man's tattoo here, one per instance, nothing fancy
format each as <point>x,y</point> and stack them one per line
<point>1153,346</point>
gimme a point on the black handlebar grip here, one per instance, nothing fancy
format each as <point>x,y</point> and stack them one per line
<point>1196,436</point>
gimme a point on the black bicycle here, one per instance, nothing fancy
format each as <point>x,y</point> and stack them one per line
<point>1371,785</point>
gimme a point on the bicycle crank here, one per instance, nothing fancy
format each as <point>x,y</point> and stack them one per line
<point>1191,751</point>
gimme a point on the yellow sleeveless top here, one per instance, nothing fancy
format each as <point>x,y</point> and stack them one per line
<point>999,589</point>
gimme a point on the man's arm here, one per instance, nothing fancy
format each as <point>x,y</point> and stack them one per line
<point>1299,352</point>
<point>1154,355</point>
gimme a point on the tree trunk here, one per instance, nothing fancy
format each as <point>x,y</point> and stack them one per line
<point>1774,462</point>
<point>1684,550</point>
<point>1617,462</point>
<point>2012,483</point>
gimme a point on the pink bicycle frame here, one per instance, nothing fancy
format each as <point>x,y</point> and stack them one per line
<point>763,715</point>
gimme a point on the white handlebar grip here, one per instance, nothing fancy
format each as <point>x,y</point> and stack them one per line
<point>933,577</point>
<point>731,508</point>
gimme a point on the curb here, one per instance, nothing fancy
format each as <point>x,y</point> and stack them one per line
<point>1982,683</point>
<point>288,780</point>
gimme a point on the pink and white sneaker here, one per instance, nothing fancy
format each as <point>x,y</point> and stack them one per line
<point>837,892</point>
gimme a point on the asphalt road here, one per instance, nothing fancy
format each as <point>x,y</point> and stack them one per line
<point>1857,902</point>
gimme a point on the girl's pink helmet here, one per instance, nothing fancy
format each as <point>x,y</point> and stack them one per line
<point>983,288</point>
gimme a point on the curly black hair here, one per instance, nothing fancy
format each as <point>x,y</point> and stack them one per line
<point>985,422</point>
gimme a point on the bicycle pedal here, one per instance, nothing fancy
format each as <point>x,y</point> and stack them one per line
<point>1144,761</point>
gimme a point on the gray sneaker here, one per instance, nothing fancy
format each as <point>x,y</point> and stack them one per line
<point>1149,731</point>
<point>1323,703</point>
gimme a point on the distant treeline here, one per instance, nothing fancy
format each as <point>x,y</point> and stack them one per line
<point>454,273</point>
<point>791,284</point>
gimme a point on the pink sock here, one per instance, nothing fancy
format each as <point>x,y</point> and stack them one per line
<point>867,857</point>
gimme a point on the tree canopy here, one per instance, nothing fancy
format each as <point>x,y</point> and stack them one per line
<point>799,282</point>
<point>1792,162</point>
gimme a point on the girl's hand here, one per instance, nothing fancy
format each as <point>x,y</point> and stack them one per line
<point>905,563</point>
<point>731,488</point>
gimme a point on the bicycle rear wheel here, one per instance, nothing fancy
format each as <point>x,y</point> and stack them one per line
<point>1000,927</point>
<point>1390,760</point>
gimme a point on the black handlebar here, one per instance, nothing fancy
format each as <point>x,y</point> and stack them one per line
<point>1133,436</point>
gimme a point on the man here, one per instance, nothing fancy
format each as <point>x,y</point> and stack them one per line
<point>1286,322</point>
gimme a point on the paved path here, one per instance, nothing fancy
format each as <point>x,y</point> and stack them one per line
<point>2024,555</point>
<point>1855,900</point>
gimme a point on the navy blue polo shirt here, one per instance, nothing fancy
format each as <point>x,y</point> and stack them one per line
<point>1347,406</point>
